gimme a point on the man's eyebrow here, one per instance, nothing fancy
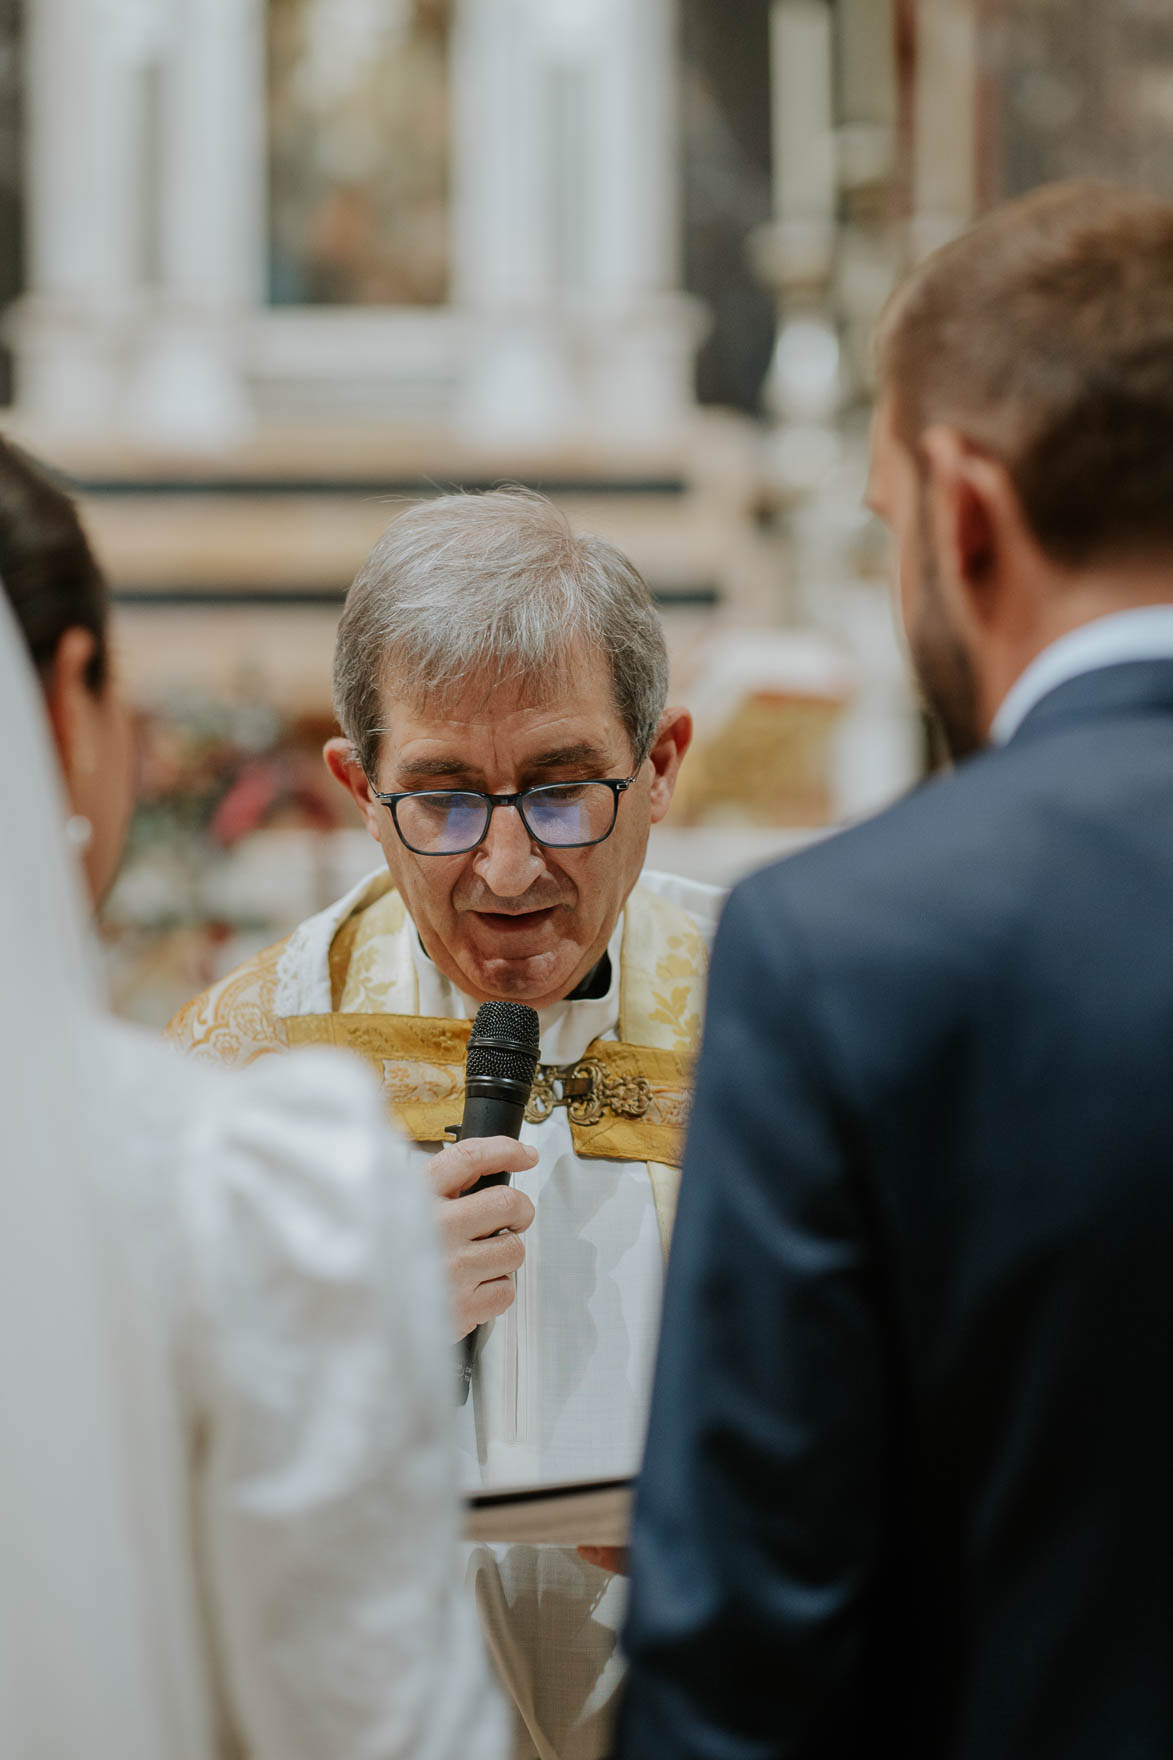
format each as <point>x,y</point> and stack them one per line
<point>582,755</point>
<point>439,766</point>
<point>563,757</point>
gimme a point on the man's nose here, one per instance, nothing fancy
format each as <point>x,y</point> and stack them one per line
<point>508,861</point>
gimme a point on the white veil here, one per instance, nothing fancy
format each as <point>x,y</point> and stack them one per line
<point>76,1675</point>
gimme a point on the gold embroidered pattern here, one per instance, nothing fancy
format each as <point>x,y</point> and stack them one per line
<point>234,1022</point>
<point>662,980</point>
<point>421,1062</point>
<point>379,975</point>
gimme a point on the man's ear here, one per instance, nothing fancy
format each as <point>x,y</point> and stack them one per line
<point>348,773</point>
<point>673,738</point>
<point>975,520</point>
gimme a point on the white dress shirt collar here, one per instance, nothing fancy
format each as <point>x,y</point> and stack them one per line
<point>1145,633</point>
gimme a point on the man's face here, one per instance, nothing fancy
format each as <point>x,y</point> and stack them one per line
<point>941,661</point>
<point>513,918</point>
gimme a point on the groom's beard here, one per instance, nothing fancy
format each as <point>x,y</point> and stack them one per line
<point>942,665</point>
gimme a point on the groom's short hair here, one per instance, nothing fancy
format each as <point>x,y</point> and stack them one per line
<point>1045,335</point>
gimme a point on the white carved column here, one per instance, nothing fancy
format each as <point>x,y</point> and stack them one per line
<point>945,176</point>
<point>648,331</point>
<point>518,382</point>
<point>82,124</point>
<point>189,383</point>
<point>566,230</point>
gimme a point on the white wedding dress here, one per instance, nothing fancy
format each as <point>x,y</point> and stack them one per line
<point>228,1518</point>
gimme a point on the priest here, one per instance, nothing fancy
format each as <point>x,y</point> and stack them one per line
<point>501,683</point>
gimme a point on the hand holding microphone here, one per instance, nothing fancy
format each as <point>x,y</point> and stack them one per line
<point>481,1259</point>
<point>473,1174</point>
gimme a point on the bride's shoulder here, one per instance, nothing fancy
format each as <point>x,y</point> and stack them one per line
<point>309,1119</point>
<point>149,1073</point>
<point>281,1176</point>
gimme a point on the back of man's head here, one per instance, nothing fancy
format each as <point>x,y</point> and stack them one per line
<point>1044,335</point>
<point>475,589</point>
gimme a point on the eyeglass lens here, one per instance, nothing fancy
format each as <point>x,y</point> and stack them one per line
<point>445,822</point>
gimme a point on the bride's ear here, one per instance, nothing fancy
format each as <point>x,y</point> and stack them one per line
<point>75,714</point>
<point>93,733</point>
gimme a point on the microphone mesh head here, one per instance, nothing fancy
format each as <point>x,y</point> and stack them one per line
<point>504,1042</point>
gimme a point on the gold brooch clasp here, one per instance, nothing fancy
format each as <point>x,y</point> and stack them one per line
<point>587,1092</point>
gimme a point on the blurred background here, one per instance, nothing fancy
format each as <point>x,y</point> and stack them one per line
<point>274,269</point>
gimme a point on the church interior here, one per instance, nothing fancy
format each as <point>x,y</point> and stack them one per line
<point>296,264</point>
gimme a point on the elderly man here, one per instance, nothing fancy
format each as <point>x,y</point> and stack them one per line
<point>501,683</point>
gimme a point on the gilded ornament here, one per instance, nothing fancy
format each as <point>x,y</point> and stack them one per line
<point>587,1091</point>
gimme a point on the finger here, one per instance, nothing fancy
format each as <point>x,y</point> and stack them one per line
<point>474,1262</point>
<point>487,1302</point>
<point>460,1165</point>
<point>480,1214</point>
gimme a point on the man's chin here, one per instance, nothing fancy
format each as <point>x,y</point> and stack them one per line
<point>523,974</point>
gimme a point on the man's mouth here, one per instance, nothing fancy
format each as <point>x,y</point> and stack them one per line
<point>515,922</point>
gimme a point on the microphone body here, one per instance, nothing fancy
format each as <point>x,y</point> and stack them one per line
<point>492,1110</point>
<point>500,1067</point>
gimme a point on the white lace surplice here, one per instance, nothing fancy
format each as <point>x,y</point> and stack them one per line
<point>563,1384</point>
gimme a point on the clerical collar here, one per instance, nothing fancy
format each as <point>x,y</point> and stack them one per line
<point>596,983</point>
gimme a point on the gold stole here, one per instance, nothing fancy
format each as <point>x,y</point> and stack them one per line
<point>628,1099</point>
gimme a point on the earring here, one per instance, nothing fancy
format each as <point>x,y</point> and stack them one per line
<point>79,833</point>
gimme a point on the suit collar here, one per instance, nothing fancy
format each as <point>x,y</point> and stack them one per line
<point>1140,632</point>
<point>1132,687</point>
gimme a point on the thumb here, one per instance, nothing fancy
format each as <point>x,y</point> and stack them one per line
<point>460,1165</point>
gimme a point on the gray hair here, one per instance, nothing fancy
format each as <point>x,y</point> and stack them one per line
<point>497,586</point>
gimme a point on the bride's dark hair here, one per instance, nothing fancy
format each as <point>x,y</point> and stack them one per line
<point>47,569</point>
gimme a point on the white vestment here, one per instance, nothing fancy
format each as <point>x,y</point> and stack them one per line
<point>228,1522</point>
<point>563,1379</point>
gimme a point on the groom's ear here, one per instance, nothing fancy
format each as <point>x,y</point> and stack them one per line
<point>343,765</point>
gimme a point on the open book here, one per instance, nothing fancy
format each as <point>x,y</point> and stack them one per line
<point>592,1512</point>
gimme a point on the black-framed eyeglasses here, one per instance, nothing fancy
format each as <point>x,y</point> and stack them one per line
<point>560,815</point>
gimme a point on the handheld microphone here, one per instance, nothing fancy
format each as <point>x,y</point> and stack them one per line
<point>499,1071</point>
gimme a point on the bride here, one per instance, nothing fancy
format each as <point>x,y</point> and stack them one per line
<point>228,1521</point>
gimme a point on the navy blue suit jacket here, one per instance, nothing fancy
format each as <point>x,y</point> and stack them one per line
<point>909,1478</point>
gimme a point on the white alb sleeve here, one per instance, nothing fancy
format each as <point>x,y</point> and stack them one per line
<point>327,1502</point>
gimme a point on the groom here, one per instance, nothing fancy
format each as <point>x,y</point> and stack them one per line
<point>907,1488</point>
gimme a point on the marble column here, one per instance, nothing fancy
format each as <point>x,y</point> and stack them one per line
<point>870,241</point>
<point>647,331</point>
<point>188,383</point>
<point>796,254</point>
<point>83,118</point>
<point>518,381</point>
<point>565,217</point>
<point>802,79</point>
<point>945,169</point>
<point>145,193</point>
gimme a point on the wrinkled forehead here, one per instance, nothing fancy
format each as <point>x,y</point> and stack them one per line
<point>574,690</point>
